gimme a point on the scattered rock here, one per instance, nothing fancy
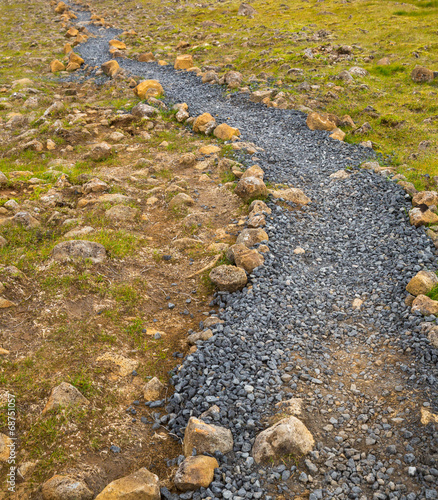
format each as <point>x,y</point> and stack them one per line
<point>195,472</point>
<point>121,213</point>
<point>246,10</point>
<point>250,237</point>
<point>65,394</point>
<point>433,336</point>
<point>291,194</point>
<point>56,66</point>
<point>338,134</point>
<point>5,447</point>
<point>206,438</point>
<point>419,218</point>
<point>65,488</point>
<point>320,121</point>
<point>146,57</point>
<point>25,220</point>
<point>125,366</point>
<point>259,207</point>
<point>5,303</point>
<point>196,337</point>
<point>420,74</point>
<point>117,44</point>
<point>249,188</point>
<point>181,200</point>
<point>110,68</point>
<point>94,185</point>
<point>233,79</point>
<point>254,171</point>
<point>425,305</point>
<point>358,71</point>
<point>225,132</point>
<point>293,406</point>
<point>148,88</point>
<point>429,198</point>
<point>79,249</point>
<point>228,278</point>
<point>422,283</point>
<point>142,110</point>
<point>340,175</point>
<point>204,124</point>
<point>428,417</point>
<point>289,436</point>
<point>141,485</point>
<point>184,62</point>
<point>153,389</point>
<point>245,258</point>
<point>100,151</point>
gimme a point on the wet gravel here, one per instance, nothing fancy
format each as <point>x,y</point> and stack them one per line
<point>363,374</point>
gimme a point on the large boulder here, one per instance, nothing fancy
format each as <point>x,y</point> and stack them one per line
<point>249,188</point>
<point>79,249</point>
<point>206,438</point>
<point>65,394</point>
<point>148,88</point>
<point>195,472</point>
<point>422,283</point>
<point>420,74</point>
<point>250,237</point>
<point>140,485</point>
<point>425,305</point>
<point>289,436</point>
<point>228,278</point>
<point>66,488</point>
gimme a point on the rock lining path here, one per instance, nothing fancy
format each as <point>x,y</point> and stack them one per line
<point>365,373</point>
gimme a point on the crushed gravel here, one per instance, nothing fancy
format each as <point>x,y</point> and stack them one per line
<point>363,374</point>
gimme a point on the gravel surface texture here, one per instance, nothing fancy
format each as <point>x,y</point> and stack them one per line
<point>363,374</point>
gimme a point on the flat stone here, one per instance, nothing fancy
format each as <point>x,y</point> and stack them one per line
<point>65,394</point>
<point>140,485</point>
<point>79,249</point>
<point>228,278</point>
<point>61,487</point>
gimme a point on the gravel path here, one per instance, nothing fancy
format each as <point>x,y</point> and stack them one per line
<point>363,374</point>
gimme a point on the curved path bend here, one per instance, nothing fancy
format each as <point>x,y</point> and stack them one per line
<point>363,374</point>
